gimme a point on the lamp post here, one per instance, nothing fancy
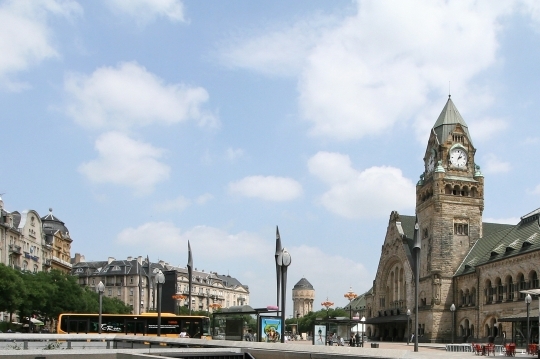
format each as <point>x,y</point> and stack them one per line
<point>416,249</point>
<point>297,322</point>
<point>350,295</point>
<point>363,330</point>
<point>160,279</point>
<point>453,310</point>
<point>100,288</point>
<point>327,304</point>
<point>528,300</point>
<point>408,326</point>
<point>284,261</point>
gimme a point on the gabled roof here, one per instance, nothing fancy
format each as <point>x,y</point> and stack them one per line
<point>447,121</point>
<point>502,241</point>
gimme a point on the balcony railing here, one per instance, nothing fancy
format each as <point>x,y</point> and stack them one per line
<point>15,249</point>
<point>62,262</point>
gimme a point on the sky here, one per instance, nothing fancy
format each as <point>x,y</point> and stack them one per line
<point>147,123</point>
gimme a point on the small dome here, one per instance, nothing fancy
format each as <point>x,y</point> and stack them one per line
<point>53,224</point>
<point>303,284</point>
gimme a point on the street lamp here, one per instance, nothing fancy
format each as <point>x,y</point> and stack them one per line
<point>283,261</point>
<point>453,310</point>
<point>350,295</point>
<point>160,279</point>
<point>363,330</point>
<point>297,322</point>
<point>528,300</point>
<point>327,304</point>
<point>408,326</point>
<point>100,288</point>
<point>416,248</point>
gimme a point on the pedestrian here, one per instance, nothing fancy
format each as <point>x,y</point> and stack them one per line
<point>352,341</point>
<point>249,336</point>
<point>357,340</point>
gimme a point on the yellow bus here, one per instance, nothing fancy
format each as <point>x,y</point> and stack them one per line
<point>142,324</point>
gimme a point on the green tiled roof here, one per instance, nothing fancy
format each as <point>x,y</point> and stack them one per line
<point>502,241</point>
<point>447,121</point>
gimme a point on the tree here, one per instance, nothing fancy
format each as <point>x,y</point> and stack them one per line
<point>12,290</point>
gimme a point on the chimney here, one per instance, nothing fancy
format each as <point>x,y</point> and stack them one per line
<point>129,259</point>
<point>110,260</point>
<point>139,259</point>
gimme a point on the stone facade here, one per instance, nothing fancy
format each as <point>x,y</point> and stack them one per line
<point>479,267</point>
<point>33,243</point>
<point>303,295</point>
<point>132,281</point>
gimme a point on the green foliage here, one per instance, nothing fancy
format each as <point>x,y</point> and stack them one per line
<point>48,294</point>
<point>12,289</point>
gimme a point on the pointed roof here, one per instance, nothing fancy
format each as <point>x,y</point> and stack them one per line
<point>447,121</point>
<point>303,284</point>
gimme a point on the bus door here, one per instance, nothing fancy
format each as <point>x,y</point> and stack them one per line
<point>78,326</point>
<point>189,326</point>
<point>136,327</point>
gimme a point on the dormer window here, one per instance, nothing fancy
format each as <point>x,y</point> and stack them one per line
<point>79,270</point>
<point>116,268</point>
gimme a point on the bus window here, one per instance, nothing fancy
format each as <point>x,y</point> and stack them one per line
<point>77,326</point>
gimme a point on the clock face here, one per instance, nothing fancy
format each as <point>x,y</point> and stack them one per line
<point>430,164</point>
<point>458,157</point>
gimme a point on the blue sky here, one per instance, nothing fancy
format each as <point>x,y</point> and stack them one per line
<point>145,124</point>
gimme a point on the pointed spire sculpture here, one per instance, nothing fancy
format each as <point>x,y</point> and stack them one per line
<point>190,274</point>
<point>278,269</point>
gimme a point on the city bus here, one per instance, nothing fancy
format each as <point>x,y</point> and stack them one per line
<point>130,324</point>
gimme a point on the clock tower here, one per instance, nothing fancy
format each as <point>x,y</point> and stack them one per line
<point>449,205</point>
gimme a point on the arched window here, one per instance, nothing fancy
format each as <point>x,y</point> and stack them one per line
<point>488,292</point>
<point>522,285</point>
<point>499,289</point>
<point>510,289</point>
<point>533,279</point>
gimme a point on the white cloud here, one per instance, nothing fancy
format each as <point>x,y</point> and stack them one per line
<point>371,193</point>
<point>234,153</point>
<point>268,188</point>
<point>124,161</point>
<point>510,220</point>
<point>249,258</point>
<point>486,128</point>
<point>384,64</point>
<point>203,199</point>
<point>276,52</point>
<point>492,164</point>
<point>129,96</point>
<point>224,246</point>
<point>145,11</point>
<point>25,38</point>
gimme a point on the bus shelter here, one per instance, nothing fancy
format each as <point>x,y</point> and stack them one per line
<point>341,327</point>
<point>235,322</point>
